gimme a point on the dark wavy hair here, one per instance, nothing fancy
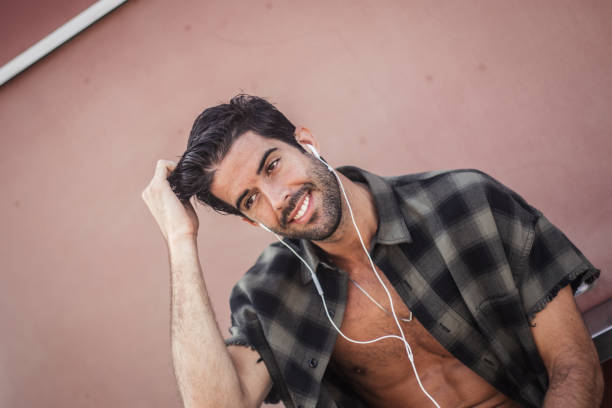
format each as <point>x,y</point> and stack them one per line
<point>212,136</point>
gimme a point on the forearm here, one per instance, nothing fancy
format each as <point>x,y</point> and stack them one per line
<point>575,384</point>
<point>204,370</point>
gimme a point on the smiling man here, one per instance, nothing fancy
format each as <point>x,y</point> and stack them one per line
<point>470,286</point>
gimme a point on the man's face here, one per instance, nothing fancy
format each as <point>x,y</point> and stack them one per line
<point>274,183</point>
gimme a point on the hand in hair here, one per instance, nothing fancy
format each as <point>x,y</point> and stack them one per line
<point>175,219</point>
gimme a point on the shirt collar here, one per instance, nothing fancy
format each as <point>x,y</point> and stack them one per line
<point>391,230</point>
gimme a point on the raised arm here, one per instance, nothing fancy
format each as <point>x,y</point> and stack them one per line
<point>208,374</point>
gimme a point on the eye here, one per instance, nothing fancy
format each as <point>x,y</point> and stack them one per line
<point>272,166</point>
<point>249,201</point>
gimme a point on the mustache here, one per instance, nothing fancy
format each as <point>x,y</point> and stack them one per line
<point>293,203</point>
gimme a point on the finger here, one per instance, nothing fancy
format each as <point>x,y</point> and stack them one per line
<point>163,168</point>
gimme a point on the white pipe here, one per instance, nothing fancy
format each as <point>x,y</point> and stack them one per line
<point>57,38</point>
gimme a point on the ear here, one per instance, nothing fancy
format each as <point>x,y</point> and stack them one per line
<point>249,221</point>
<point>304,137</point>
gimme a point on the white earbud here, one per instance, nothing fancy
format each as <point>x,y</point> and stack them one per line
<point>316,154</point>
<point>314,151</point>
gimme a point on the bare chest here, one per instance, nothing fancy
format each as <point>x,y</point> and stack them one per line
<point>364,320</point>
<point>381,372</point>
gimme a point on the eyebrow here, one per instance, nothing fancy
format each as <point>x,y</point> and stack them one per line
<point>261,165</point>
<point>264,157</point>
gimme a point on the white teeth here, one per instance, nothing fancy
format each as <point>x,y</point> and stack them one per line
<point>303,208</point>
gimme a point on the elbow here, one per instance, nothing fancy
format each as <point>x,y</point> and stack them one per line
<point>576,380</point>
<point>205,395</point>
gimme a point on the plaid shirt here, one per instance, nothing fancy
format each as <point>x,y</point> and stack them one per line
<point>469,257</point>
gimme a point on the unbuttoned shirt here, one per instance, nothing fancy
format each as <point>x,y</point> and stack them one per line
<point>468,256</point>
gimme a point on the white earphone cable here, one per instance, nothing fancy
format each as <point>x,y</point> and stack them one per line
<point>320,289</point>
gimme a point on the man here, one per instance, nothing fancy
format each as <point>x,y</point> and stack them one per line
<point>480,283</point>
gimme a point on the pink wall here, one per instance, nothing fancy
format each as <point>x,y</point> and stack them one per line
<point>522,90</point>
<point>24,22</point>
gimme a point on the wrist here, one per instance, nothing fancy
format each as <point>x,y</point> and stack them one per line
<point>182,249</point>
<point>182,239</point>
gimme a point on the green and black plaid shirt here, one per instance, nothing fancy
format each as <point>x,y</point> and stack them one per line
<point>469,257</point>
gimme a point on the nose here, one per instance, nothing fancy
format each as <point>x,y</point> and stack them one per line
<point>278,195</point>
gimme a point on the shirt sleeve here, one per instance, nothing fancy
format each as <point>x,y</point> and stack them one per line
<point>246,332</point>
<point>237,336</point>
<point>552,262</point>
<point>543,260</point>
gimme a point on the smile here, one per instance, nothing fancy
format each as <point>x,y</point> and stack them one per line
<point>303,208</point>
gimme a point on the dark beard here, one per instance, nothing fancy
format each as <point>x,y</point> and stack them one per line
<point>330,212</point>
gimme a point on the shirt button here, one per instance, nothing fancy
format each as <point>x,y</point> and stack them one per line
<point>313,362</point>
<point>332,313</point>
<point>407,284</point>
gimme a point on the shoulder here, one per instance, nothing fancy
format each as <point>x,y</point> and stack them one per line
<point>464,191</point>
<point>438,187</point>
<point>274,272</point>
<point>456,177</point>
